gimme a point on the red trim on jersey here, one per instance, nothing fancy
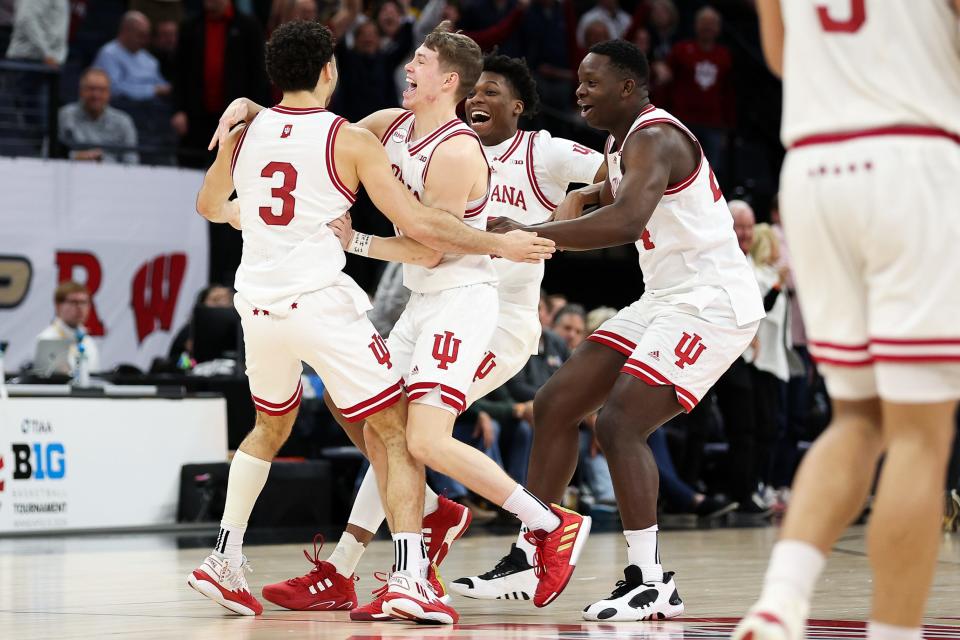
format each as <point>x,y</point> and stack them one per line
<point>279,408</point>
<point>236,149</point>
<point>914,349</point>
<point>838,347</point>
<point>904,130</point>
<point>916,358</point>
<point>296,111</point>
<point>916,341</point>
<point>613,340</point>
<point>686,182</point>
<point>436,133</point>
<point>383,400</point>
<point>651,376</point>
<point>532,177</point>
<point>842,363</point>
<point>450,396</point>
<point>477,209</point>
<point>517,137</point>
<point>331,162</point>
<point>394,125</point>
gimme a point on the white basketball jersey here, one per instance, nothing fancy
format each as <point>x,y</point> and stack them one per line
<point>530,174</point>
<point>851,65</point>
<point>288,188</point>
<point>689,249</point>
<point>411,162</point>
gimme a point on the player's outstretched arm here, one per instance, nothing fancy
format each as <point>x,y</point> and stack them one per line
<point>378,122</point>
<point>771,34</point>
<point>397,249</point>
<point>360,152</point>
<point>213,199</point>
<point>240,110</point>
<point>646,175</point>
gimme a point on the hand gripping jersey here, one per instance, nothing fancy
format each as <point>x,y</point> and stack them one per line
<point>411,162</point>
<point>688,251</point>
<point>530,176</point>
<point>288,192</point>
<point>852,65</point>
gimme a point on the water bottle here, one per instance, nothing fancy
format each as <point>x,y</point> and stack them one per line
<point>81,374</point>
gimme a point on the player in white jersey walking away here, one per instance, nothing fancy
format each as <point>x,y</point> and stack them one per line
<point>530,171</point>
<point>659,356</point>
<point>295,302</point>
<point>869,195</point>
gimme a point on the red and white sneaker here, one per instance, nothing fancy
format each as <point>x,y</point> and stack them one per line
<point>225,583</point>
<point>442,527</point>
<point>373,610</point>
<point>436,583</point>
<point>322,589</point>
<point>557,553</point>
<point>416,601</point>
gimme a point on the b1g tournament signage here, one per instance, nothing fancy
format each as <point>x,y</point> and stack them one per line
<point>130,234</point>
<point>81,463</point>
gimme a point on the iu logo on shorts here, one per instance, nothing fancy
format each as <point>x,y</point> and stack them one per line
<point>446,348</point>
<point>688,350</point>
<point>380,352</point>
<point>486,366</point>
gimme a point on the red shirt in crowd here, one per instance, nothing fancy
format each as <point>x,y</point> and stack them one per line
<point>702,88</point>
<point>214,54</point>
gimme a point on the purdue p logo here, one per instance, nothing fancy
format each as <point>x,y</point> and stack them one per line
<point>688,350</point>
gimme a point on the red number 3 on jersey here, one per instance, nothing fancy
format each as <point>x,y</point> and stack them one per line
<point>284,193</point>
<point>858,15</point>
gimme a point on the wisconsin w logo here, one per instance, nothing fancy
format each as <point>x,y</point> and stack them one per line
<point>380,352</point>
<point>688,350</point>
<point>446,348</point>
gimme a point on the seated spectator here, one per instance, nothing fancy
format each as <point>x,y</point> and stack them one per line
<point>702,93</point>
<point>570,324</point>
<point>181,349</point>
<point>40,30</point>
<point>594,33</point>
<point>134,72</point>
<point>555,302</point>
<point>608,13</point>
<point>92,129</point>
<point>163,46</point>
<point>72,307</point>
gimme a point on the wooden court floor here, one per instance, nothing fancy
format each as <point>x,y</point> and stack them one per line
<point>134,586</point>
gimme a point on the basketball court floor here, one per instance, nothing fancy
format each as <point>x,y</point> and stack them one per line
<point>135,586</point>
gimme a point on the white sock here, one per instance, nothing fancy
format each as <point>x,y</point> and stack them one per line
<point>531,511</point>
<point>431,502</point>
<point>643,550</point>
<point>244,484</point>
<point>410,555</point>
<point>794,569</point>
<point>346,555</point>
<point>525,546</point>
<point>880,631</point>
<point>367,512</point>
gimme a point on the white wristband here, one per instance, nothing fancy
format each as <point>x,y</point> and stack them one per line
<point>360,244</point>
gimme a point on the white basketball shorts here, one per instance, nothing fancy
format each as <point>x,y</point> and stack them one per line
<point>873,225</point>
<point>329,330</point>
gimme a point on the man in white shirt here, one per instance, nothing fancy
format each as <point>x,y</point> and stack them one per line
<point>72,305</point>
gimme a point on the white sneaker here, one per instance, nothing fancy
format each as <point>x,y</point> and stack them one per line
<point>412,599</point>
<point>512,579</point>
<point>634,600</point>
<point>771,619</point>
<point>224,582</point>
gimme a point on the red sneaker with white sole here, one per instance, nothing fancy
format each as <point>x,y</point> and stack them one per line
<point>373,610</point>
<point>322,589</point>
<point>415,600</point>
<point>442,527</point>
<point>557,553</point>
<point>225,583</point>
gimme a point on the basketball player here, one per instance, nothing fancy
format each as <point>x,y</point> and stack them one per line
<point>659,356</point>
<point>296,304</point>
<point>869,203</point>
<point>530,172</point>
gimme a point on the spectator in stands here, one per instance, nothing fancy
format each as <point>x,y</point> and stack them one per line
<point>491,23</point>
<point>702,93</point>
<point>555,302</point>
<point>163,46</point>
<point>570,324</point>
<point>92,129</point>
<point>594,33</point>
<point>544,36</point>
<point>219,58</point>
<point>6,23</point>
<point>610,14</point>
<point>286,10</point>
<point>134,72</point>
<point>158,11</point>
<point>663,22</point>
<point>543,311</point>
<point>72,307</point>
<point>181,349</point>
<point>40,31</point>
<point>660,74</point>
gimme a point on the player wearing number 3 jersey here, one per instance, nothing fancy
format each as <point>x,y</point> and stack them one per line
<point>296,168</point>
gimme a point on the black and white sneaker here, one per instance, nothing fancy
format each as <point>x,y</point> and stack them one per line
<point>634,600</point>
<point>512,579</point>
